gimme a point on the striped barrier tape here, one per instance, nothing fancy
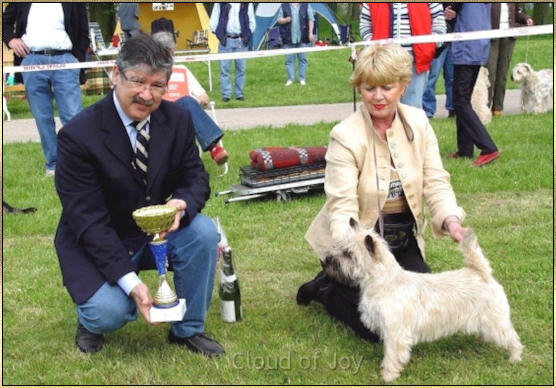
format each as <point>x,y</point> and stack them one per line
<point>449,37</point>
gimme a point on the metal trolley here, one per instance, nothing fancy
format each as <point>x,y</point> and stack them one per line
<point>281,183</point>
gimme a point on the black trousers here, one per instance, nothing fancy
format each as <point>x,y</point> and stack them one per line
<point>470,130</point>
<point>341,301</point>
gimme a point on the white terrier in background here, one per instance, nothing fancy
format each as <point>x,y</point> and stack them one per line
<point>479,98</point>
<point>405,308</point>
<point>537,88</point>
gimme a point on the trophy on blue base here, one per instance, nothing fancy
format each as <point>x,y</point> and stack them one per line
<point>154,220</point>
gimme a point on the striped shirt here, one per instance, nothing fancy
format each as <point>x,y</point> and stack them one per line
<point>401,27</point>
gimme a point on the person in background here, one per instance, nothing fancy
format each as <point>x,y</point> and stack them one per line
<point>442,61</point>
<point>382,164</point>
<point>296,30</point>
<point>233,24</point>
<point>208,134</point>
<point>130,150</point>
<point>128,13</point>
<point>41,34</point>
<point>468,56</point>
<point>401,20</point>
<point>503,15</point>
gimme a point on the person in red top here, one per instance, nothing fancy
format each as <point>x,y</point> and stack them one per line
<point>400,20</point>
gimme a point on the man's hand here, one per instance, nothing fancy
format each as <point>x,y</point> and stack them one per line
<point>449,13</point>
<point>202,99</point>
<point>19,47</point>
<point>143,300</point>
<point>284,20</point>
<point>180,206</point>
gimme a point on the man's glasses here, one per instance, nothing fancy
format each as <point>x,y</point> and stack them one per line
<point>140,86</point>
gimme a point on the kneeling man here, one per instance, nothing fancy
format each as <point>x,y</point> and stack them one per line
<point>130,150</point>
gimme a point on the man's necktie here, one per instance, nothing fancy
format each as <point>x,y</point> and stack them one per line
<point>142,149</point>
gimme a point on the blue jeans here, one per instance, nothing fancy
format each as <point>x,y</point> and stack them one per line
<point>192,253</point>
<point>414,93</point>
<point>206,130</point>
<point>443,61</point>
<point>233,45</point>
<point>41,87</point>
<point>301,62</point>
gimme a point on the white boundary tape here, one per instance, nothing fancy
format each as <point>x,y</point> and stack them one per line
<point>451,37</point>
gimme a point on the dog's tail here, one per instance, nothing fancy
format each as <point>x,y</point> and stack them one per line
<point>473,255</point>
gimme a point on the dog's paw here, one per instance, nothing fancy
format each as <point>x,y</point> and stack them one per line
<point>389,375</point>
<point>515,356</point>
<point>514,359</point>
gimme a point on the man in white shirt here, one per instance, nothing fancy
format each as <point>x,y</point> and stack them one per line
<point>47,33</point>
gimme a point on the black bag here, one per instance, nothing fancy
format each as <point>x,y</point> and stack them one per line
<point>398,229</point>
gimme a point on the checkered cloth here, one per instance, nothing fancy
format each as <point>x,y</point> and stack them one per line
<point>268,158</point>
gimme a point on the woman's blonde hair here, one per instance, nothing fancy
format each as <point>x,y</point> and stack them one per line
<point>382,65</point>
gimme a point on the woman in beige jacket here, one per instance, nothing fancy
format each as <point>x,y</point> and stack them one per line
<point>382,163</point>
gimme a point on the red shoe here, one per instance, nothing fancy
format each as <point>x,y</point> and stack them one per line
<point>218,154</point>
<point>486,158</point>
<point>453,155</point>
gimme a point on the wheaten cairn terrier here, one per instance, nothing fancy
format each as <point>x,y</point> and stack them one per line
<point>537,88</point>
<point>405,308</point>
<point>479,97</point>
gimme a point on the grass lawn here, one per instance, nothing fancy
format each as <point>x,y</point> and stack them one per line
<point>327,77</point>
<point>509,203</point>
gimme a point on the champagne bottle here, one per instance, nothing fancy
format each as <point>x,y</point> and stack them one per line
<point>230,297</point>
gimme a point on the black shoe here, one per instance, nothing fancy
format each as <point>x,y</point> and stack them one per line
<point>309,291</point>
<point>86,341</point>
<point>240,98</point>
<point>225,99</point>
<point>198,343</point>
<point>451,113</point>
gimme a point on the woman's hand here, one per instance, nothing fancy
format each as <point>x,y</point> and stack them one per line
<point>453,226</point>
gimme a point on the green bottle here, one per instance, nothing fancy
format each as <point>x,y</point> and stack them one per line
<point>230,297</point>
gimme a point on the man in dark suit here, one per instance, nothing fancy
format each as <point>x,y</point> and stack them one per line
<point>46,33</point>
<point>100,183</point>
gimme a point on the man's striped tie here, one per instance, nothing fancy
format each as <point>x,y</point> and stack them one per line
<point>142,149</point>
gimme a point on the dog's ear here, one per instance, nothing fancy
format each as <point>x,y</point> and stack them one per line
<point>528,68</point>
<point>353,223</point>
<point>370,244</point>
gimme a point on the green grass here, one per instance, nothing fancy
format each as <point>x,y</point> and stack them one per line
<point>509,203</point>
<point>327,77</point>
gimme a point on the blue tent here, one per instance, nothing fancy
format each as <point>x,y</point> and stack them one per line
<point>266,15</point>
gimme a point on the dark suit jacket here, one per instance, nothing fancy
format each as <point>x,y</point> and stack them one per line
<point>99,189</point>
<point>517,17</point>
<point>14,25</point>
